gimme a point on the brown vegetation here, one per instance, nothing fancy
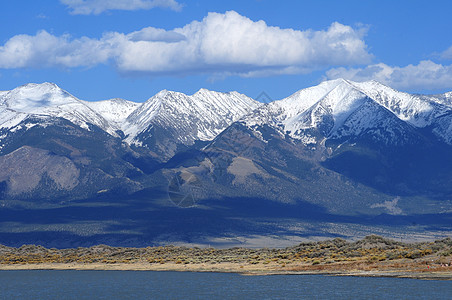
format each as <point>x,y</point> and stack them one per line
<point>337,255</point>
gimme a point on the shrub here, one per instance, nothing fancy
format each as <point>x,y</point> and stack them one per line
<point>413,254</point>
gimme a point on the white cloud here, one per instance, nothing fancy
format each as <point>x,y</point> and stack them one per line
<point>447,54</point>
<point>87,7</point>
<point>47,50</point>
<point>426,75</point>
<point>220,45</point>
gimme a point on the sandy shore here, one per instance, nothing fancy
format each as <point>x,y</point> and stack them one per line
<point>256,270</point>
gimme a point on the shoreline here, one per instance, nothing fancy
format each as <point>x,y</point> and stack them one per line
<point>372,256</point>
<point>429,274</point>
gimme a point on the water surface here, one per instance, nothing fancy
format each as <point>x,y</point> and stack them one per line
<point>71,284</point>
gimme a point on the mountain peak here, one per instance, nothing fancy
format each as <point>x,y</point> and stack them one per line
<point>29,97</point>
<point>49,101</point>
<point>202,90</point>
<point>188,118</point>
<point>335,82</point>
<point>43,84</point>
<point>303,99</point>
<point>166,93</point>
<point>333,103</point>
<point>356,84</point>
<point>39,88</point>
<point>115,110</point>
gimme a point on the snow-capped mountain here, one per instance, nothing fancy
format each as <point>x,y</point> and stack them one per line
<point>50,125</point>
<point>341,108</point>
<point>45,101</point>
<point>448,98</point>
<point>184,119</point>
<point>188,118</point>
<point>420,111</point>
<point>338,149</point>
<point>115,111</point>
<point>334,109</point>
<point>201,116</point>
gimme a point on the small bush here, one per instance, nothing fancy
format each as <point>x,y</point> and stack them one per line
<point>414,254</point>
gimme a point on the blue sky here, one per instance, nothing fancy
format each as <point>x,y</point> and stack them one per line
<point>100,49</point>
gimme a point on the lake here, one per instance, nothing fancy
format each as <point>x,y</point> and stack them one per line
<point>70,284</point>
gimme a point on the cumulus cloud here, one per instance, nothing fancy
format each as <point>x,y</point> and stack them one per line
<point>88,7</point>
<point>220,45</point>
<point>47,50</point>
<point>426,75</point>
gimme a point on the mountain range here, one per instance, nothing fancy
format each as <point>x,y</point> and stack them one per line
<point>339,159</point>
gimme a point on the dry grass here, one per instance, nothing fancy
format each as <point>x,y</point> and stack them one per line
<point>373,253</point>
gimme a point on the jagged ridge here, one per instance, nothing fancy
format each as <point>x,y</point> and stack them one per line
<point>340,108</point>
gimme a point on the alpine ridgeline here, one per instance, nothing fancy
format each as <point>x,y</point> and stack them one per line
<point>360,156</point>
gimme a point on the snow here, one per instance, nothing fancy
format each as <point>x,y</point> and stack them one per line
<point>32,98</point>
<point>340,102</point>
<point>48,100</point>
<point>140,119</point>
<point>304,99</point>
<point>115,111</point>
<point>416,110</point>
<point>10,118</point>
<point>345,108</point>
<point>201,116</point>
<point>307,108</point>
<point>444,99</point>
<point>335,108</point>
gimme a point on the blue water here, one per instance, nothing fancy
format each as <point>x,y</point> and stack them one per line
<point>187,285</point>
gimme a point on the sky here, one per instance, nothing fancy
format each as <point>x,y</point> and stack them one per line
<point>132,49</point>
